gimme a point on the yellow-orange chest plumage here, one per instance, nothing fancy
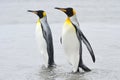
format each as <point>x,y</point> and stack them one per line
<point>68,26</point>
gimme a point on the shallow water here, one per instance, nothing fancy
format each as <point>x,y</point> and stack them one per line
<point>20,58</point>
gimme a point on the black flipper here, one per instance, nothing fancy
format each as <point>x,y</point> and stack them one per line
<point>81,38</point>
<point>86,42</point>
<point>50,48</point>
<point>84,67</point>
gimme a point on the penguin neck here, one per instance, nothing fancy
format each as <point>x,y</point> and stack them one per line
<point>43,20</point>
<point>44,24</point>
<point>74,20</point>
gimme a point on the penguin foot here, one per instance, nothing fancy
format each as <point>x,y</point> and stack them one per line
<point>77,72</point>
<point>52,66</point>
<point>85,68</point>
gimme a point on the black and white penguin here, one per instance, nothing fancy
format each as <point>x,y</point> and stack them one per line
<point>72,38</point>
<point>44,38</point>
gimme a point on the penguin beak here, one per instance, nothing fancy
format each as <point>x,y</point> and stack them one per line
<point>35,12</point>
<point>62,9</point>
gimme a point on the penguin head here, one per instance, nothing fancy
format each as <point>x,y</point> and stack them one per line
<point>40,13</point>
<point>68,11</point>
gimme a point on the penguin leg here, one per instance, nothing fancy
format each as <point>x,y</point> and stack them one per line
<point>78,70</point>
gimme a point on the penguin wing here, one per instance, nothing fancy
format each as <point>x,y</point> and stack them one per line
<point>48,38</point>
<point>86,42</point>
<point>82,37</point>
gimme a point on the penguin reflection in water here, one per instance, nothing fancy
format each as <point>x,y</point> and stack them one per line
<point>44,38</point>
<point>72,38</point>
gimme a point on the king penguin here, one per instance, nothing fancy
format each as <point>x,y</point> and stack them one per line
<point>44,38</point>
<point>72,38</point>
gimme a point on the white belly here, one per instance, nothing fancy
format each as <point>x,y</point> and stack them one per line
<point>71,47</point>
<point>42,44</point>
